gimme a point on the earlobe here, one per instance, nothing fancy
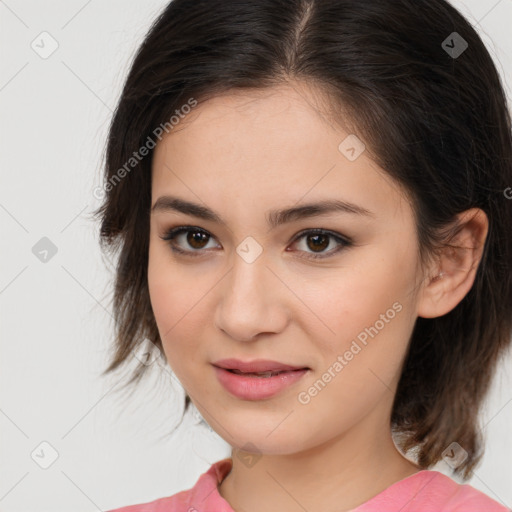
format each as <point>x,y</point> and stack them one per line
<point>455,271</point>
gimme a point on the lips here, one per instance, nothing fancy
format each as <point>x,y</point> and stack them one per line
<point>258,386</point>
<point>258,366</point>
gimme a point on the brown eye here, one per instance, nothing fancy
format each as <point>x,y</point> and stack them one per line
<point>197,239</point>
<point>317,240</point>
<point>191,240</point>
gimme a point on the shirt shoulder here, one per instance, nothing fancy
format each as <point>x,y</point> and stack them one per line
<point>203,496</point>
<point>428,491</point>
<point>468,499</point>
<point>175,503</point>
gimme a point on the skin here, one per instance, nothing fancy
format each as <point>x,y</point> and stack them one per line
<point>243,154</point>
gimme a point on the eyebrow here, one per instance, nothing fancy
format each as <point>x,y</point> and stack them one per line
<point>274,217</point>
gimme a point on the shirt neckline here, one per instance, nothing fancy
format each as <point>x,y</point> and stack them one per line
<point>220,470</point>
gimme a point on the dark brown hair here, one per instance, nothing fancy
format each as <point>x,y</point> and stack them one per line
<point>435,119</point>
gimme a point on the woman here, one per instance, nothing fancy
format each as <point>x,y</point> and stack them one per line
<point>309,201</point>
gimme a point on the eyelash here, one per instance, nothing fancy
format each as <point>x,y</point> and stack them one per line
<point>172,233</point>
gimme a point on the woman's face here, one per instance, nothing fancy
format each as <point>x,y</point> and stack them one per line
<point>248,288</point>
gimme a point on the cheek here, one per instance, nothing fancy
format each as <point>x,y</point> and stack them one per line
<point>352,302</point>
<point>368,303</point>
<point>175,300</point>
<point>360,363</point>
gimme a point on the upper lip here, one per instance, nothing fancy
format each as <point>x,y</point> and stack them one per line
<point>257,365</point>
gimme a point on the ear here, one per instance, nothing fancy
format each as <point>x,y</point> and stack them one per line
<point>453,275</point>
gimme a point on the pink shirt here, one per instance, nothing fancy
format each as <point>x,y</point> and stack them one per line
<point>425,491</point>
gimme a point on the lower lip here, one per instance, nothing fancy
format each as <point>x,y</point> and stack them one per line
<point>257,388</point>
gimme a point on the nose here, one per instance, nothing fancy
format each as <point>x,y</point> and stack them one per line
<point>252,301</point>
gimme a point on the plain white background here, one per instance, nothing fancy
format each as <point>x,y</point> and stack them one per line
<point>56,325</point>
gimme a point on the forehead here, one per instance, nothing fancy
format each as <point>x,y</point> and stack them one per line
<point>259,114</point>
<point>263,146</point>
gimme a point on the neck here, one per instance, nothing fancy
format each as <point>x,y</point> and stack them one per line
<point>336,476</point>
